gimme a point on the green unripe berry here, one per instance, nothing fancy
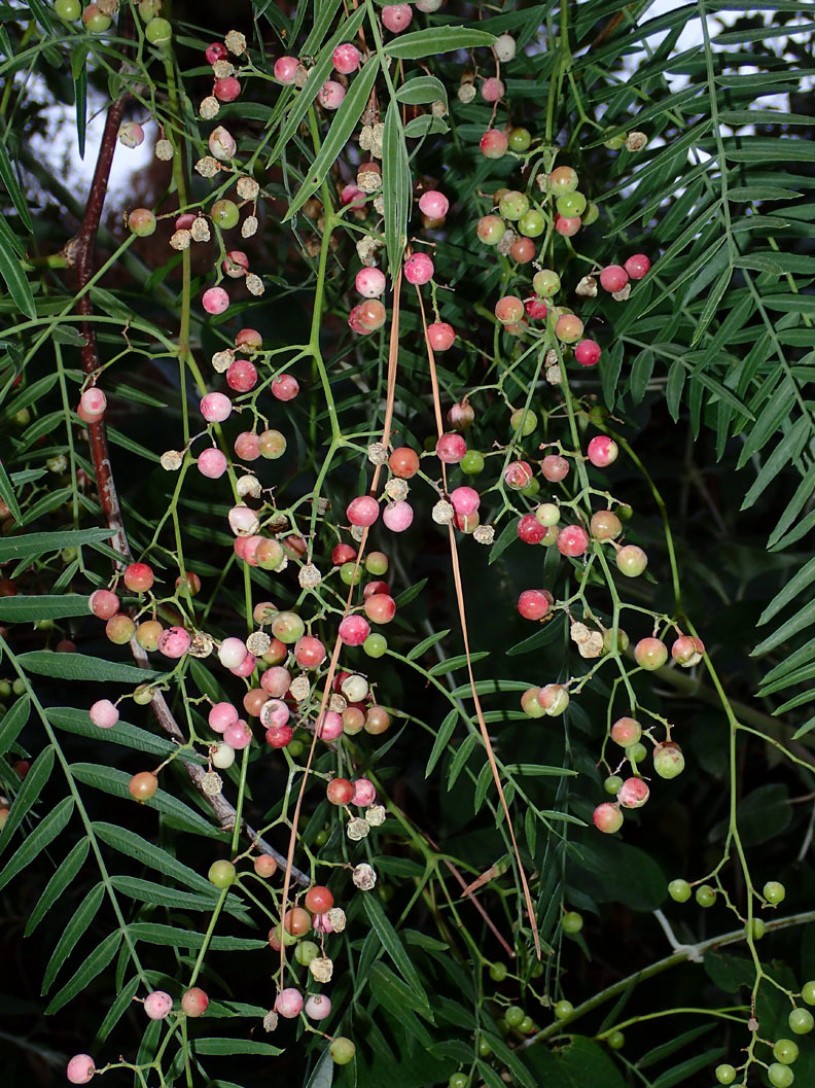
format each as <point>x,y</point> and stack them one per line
<point>342,1050</point>
<point>158,32</point>
<point>757,928</point>
<point>472,463</point>
<point>532,224</point>
<point>613,784</point>
<point>526,1026</point>
<point>513,205</point>
<point>785,1051</point>
<point>498,972</point>
<point>351,574</point>
<point>571,204</point>
<point>458,1080</point>
<point>808,993</point>
<point>637,753</point>
<point>616,1040</point>
<point>68,10</point>
<point>774,892</point>
<point>572,922</point>
<point>680,891</point>
<point>563,1010</point>
<point>222,874</point>
<point>514,1016</point>
<point>225,214</point>
<point>590,215</point>
<point>374,646</point>
<point>705,896</point>
<point>725,1074</point>
<point>484,1048</point>
<point>546,283</point>
<point>615,143</point>
<point>523,419</point>
<point>780,1076</point>
<point>305,952</point>
<point>801,1021</point>
<point>519,139</point>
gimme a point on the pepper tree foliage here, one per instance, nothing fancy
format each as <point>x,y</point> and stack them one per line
<point>484,930</point>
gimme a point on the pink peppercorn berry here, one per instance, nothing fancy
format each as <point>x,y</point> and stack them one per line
<point>215,300</point>
<point>602,451</point>
<point>492,89</point>
<point>80,1069</point>
<point>285,69</point>
<point>441,335</point>
<point>216,407</point>
<point>493,144</point>
<point>353,630</point>
<point>637,266</point>
<point>530,530</point>
<point>331,95</point>
<point>397,17</point>
<point>363,510</point>
<point>451,448</point>
<point>222,715</point>
<point>419,269</point>
<point>613,278</point>
<point>573,541</point>
<point>174,642</point>
<point>398,516</point>
<point>346,59</point>
<point>607,818</point>
<point>215,52</point>
<point>212,464</point>
<point>587,353</point>
<point>534,604</point>
<point>289,1003</point>
<point>227,89</point>
<point>242,376</point>
<point>158,1005</point>
<point>104,714</point>
<point>103,604</point>
<point>434,204</point>
<point>465,500</point>
<point>370,282</point>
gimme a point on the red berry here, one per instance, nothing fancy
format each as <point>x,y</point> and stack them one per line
<point>637,266</point>
<point>143,786</point>
<point>138,577</point>
<point>573,541</point>
<point>494,144</point>
<point>450,448</point>
<point>533,604</point>
<point>554,468</point>
<point>339,791</point>
<point>530,530</point>
<point>602,451</point>
<point>687,651</point>
<point>319,899</point>
<point>613,278</point>
<point>441,335</point>
<point>587,353</point>
<point>103,604</point>
<point>607,818</point>
<point>633,793</point>
<point>194,1002</point>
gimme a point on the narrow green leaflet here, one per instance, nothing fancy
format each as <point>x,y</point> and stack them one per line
<point>45,833</point>
<point>214,1045</point>
<point>129,736</point>
<point>398,954</point>
<point>83,667</point>
<point>442,39</point>
<point>788,449</point>
<point>459,760</point>
<point>804,577</point>
<point>13,723</point>
<point>35,544</point>
<point>16,281</point>
<point>78,923</point>
<point>162,895</point>
<point>30,791</point>
<point>47,607</point>
<point>136,848</point>
<point>794,624</point>
<point>397,187</point>
<point>172,937</point>
<point>92,965</point>
<point>457,662</point>
<point>122,1002</point>
<point>113,781</point>
<point>338,135</point>
<point>7,494</point>
<point>399,1000</point>
<point>59,882</point>
<point>426,643</point>
<point>446,730</point>
<point>9,179</point>
<point>322,1075</point>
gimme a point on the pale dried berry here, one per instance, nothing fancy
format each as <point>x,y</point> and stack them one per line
<point>215,300</point>
<point>635,141</point>
<point>258,643</point>
<point>80,1069</point>
<point>593,646</point>
<point>212,784</point>
<point>200,229</point>
<point>309,576</point>
<point>397,489</point>
<point>579,632</point>
<point>300,688</point>
<point>357,829</point>
<point>235,43</point>
<point>181,240</point>
<point>321,967</point>
<point>104,714</point>
<point>223,360</point>
<point>158,1005</point>
<point>247,188</point>
<point>254,285</point>
<point>376,815</point>
<point>466,92</point>
<point>223,69</point>
<point>364,877</point>
<point>587,287</point>
<point>336,919</point>
<point>207,167</point>
<point>397,17</point>
<point>621,296</point>
<point>443,512</point>
<point>249,226</point>
<point>209,107</point>
<point>377,453</point>
<point>270,1021</point>
<point>171,460</point>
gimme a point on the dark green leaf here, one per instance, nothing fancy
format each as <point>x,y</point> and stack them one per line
<point>59,882</point>
<point>57,606</point>
<point>446,730</point>
<point>16,281</point>
<point>29,794</point>
<point>459,661</point>
<point>214,1045</point>
<point>434,40</point>
<point>426,643</point>
<point>35,544</point>
<point>13,723</point>
<point>397,188</point>
<point>45,832</point>
<point>92,965</point>
<point>83,667</point>
<point>77,924</point>
<point>147,853</point>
